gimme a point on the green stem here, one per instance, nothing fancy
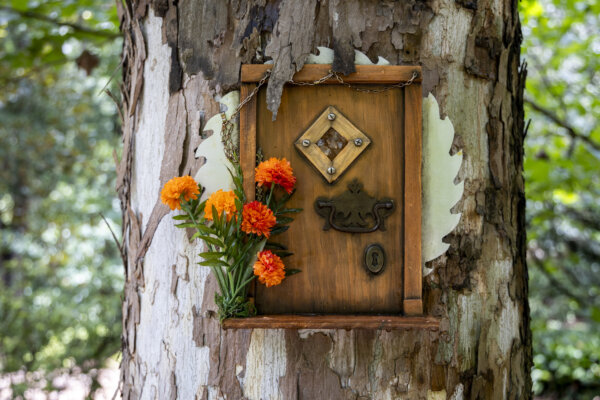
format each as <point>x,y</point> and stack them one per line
<point>219,274</point>
<point>236,276</point>
<point>270,194</point>
<point>242,286</point>
<point>222,281</point>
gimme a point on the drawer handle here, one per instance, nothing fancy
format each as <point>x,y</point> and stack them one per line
<point>354,211</point>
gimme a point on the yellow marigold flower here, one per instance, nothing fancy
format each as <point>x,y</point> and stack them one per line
<point>178,189</point>
<point>275,171</point>
<point>269,268</point>
<point>258,218</point>
<point>222,201</point>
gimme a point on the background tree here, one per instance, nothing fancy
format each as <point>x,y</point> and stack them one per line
<point>562,158</point>
<point>59,266</point>
<point>178,56</point>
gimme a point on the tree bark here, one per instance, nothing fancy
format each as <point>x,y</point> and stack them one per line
<point>178,57</point>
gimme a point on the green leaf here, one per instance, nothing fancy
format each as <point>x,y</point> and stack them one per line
<point>195,236</point>
<point>284,220</point>
<point>289,211</point>
<point>205,229</point>
<point>213,263</point>
<point>284,254</point>
<point>279,229</point>
<point>200,209</point>
<point>238,204</point>
<point>216,220</point>
<point>275,246</point>
<point>212,240</point>
<point>290,272</point>
<point>212,254</point>
<point>186,225</point>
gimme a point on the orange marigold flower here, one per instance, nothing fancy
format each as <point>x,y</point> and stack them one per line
<point>177,188</point>
<point>275,171</point>
<point>269,268</point>
<point>258,218</point>
<point>222,201</point>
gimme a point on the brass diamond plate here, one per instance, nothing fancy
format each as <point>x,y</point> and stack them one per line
<point>330,165</point>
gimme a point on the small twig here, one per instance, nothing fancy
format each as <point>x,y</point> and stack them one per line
<point>33,70</point>
<point>110,78</point>
<point>571,131</point>
<point>114,237</point>
<point>556,283</point>
<point>55,21</point>
<point>114,99</point>
<point>526,128</point>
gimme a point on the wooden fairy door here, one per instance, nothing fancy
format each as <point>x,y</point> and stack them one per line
<point>356,156</point>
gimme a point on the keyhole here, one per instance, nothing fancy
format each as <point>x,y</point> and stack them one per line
<point>374,260</point>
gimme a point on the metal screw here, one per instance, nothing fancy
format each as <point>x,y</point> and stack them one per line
<point>306,143</point>
<point>358,142</point>
<point>331,116</point>
<point>331,170</point>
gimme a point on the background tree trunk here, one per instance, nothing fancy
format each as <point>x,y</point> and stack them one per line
<point>178,57</point>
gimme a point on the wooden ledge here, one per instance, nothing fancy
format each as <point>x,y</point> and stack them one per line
<point>372,74</point>
<point>387,322</point>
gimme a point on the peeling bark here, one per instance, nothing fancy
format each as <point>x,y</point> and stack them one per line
<point>178,57</point>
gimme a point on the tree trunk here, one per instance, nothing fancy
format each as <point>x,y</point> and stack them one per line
<point>178,57</point>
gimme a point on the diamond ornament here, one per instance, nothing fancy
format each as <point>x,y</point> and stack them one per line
<point>327,139</point>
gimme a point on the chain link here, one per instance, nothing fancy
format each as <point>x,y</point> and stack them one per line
<point>331,74</point>
<point>227,130</point>
<point>409,82</point>
<point>252,93</point>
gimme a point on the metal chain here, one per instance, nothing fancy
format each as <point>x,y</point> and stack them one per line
<point>227,130</point>
<point>331,74</point>
<point>409,82</point>
<point>252,93</point>
<point>335,75</point>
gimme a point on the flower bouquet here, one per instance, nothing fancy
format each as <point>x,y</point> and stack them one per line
<point>236,231</point>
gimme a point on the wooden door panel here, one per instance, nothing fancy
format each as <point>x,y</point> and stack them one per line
<point>334,278</point>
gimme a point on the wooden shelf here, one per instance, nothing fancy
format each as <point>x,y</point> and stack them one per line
<point>387,322</point>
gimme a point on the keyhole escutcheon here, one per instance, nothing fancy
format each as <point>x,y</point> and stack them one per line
<point>374,258</point>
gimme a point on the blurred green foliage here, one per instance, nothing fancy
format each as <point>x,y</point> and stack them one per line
<point>60,271</point>
<point>562,49</point>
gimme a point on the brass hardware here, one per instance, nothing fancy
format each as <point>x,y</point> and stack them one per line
<point>374,258</point>
<point>351,210</point>
<point>327,148</point>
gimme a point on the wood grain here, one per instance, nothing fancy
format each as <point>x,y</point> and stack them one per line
<point>387,322</point>
<point>248,150</point>
<point>248,140</point>
<point>333,278</point>
<point>412,202</point>
<point>370,74</point>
